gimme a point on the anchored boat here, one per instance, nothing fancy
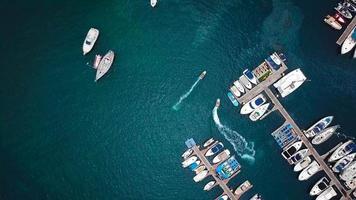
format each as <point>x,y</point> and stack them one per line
<point>104,65</point>
<point>327,194</point>
<point>222,156</point>
<point>90,40</point>
<point>308,172</point>
<point>250,76</point>
<point>319,126</point>
<point>208,142</point>
<point>343,11</point>
<point>292,149</point>
<point>324,135</point>
<point>250,106</point>
<point>349,43</point>
<point>290,82</point>
<point>302,164</point>
<point>332,22</point>
<point>209,185</point>
<point>259,112</point>
<point>244,81</point>
<point>232,99</point>
<point>189,161</point>
<point>200,176</point>
<point>343,163</point>
<point>187,153</point>
<point>345,149</point>
<point>235,91</point>
<point>319,186</point>
<point>349,173</point>
<point>216,148</point>
<point>239,86</point>
<point>297,156</point>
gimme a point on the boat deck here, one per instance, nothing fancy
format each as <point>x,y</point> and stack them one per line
<point>347,32</point>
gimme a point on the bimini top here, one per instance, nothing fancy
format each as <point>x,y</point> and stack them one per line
<point>228,168</point>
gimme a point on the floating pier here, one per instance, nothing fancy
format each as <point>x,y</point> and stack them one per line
<point>347,32</point>
<point>264,87</point>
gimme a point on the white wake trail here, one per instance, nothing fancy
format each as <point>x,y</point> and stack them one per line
<point>177,105</point>
<point>243,149</point>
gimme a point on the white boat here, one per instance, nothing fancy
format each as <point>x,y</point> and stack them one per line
<point>290,82</point>
<point>299,166</point>
<point>208,142</point>
<point>222,156</point>
<point>250,76</point>
<point>343,150</point>
<point>343,163</point>
<point>216,148</point>
<point>319,126</point>
<point>292,149</point>
<point>349,172</point>
<point>327,194</point>
<point>200,176</point>
<point>309,171</point>
<point>354,54</point>
<point>297,156</point>
<point>189,161</point>
<point>254,103</point>
<point>324,135</point>
<point>104,65</point>
<point>217,103</point>
<point>90,40</point>
<point>319,186</point>
<point>223,197</point>
<point>243,188</point>
<point>97,61</point>
<point>235,91</point>
<point>239,86</point>
<point>199,169</point>
<point>343,11</point>
<point>256,197</point>
<point>349,43</point>
<point>153,3</point>
<point>187,153</point>
<point>259,112</point>
<point>244,81</point>
<point>351,185</point>
<point>332,22</point>
<point>209,185</point>
<point>202,75</point>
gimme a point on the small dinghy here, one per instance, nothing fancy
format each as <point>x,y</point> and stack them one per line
<point>302,164</point>
<point>324,135</point>
<point>209,185</point>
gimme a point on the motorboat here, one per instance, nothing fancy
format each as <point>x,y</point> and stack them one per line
<point>199,177</point>
<point>324,135</point>
<point>239,86</point>
<point>232,99</point>
<point>153,3</point>
<point>299,166</point>
<point>349,172</point>
<point>222,156</point>
<point>327,194</point>
<point>343,163</point>
<point>319,126</point>
<point>90,40</point>
<point>259,112</point>
<point>202,75</point>
<point>349,43</point>
<point>297,156</point>
<point>349,6</point>
<point>345,149</point>
<point>319,186</point>
<point>235,91</point>
<point>332,22</point>
<point>343,11</point>
<point>351,185</point>
<point>290,82</point>
<point>194,165</point>
<point>226,169</point>
<point>187,153</point>
<point>209,185</point>
<point>339,18</point>
<point>217,103</point>
<point>223,197</point>
<point>250,76</point>
<point>292,149</point>
<point>104,65</point>
<point>189,161</point>
<point>254,103</point>
<point>245,82</point>
<point>199,169</point>
<point>97,61</point>
<point>354,54</point>
<point>309,171</point>
<point>208,142</point>
<point>216,148</point>
<point>256,197</point>
<point>241,189</point>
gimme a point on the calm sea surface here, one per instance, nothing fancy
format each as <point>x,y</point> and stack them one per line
<point>62,136</point>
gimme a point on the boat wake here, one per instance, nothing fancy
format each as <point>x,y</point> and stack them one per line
<point>181,99</point>
<point>243,149</point>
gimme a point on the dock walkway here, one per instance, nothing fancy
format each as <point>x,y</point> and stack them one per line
<point>347,32</point>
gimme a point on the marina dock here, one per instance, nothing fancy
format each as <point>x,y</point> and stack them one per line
<point>347,32</point>
<point>264,87</point>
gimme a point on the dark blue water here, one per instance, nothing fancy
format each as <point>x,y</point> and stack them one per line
<point>62,136</point>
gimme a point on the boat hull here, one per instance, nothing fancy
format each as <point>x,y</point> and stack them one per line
<point>90,40</point>
<point>105,65</point>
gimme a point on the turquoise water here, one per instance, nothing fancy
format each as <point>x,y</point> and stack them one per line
<point>65,137</point>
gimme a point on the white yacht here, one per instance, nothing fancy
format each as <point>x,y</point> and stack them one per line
<point>189,161</point>
<point>90,40</point>
<point>349,173</point>
<point>325,135</point>
<point>318,126</point>
<point>153,3</point>
<point>349,43</point>
<point>290,82</point>
<point>345,149</point>
<point>295,158</point>
<point>292,149</point>
<point>319,186</point>
<point>302,164</point>
<point>259,112</point>
<point>104,65</point>
<point>187,153</point>
<point>327,194</point>
<point>344,162</point>
<point>216,148</point>
<point>254,103</point>
<point>309,171</point>
<point>200,176</point>
<point>243,80</point>
<point>250,76</point>
<point>222,156</point>
<point>209,185</point>
<point>239,86</point>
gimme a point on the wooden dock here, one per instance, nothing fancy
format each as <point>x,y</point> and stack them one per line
<point>347,32</point>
